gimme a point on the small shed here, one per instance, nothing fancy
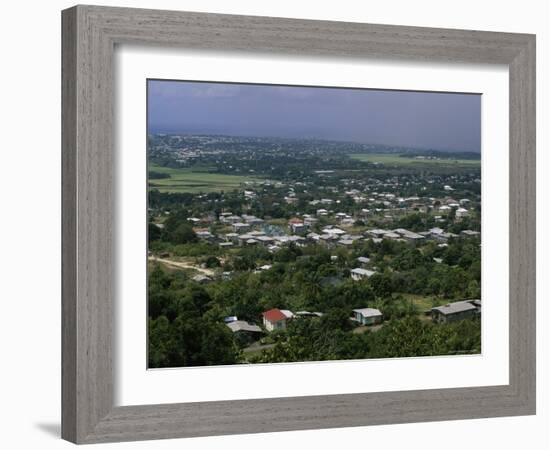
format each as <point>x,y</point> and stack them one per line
<point>367,316</point>
<point>361,274</point>
<point>238,326</point>
<point>452,312</point>
<point>274,319</point>
<point>245,333</point>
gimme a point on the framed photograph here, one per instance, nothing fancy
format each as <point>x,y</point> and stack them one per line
<point>277,224</point>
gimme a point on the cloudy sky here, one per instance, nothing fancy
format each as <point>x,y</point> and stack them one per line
<point>412,119</point>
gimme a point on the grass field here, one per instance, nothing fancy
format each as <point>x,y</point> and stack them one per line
<point>423,303</point>
<point>395,160</point>
<point>194,180</point>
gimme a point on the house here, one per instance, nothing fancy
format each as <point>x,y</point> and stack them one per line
<point>287,313</point>
<point>233,237</point>
<point>363,260</point>
<point>327,239</point>
<point>287,240</point>
<point>276,319</point>
<point>244,237</point>
<point>230,219</point>
<point>461,212</point>
<point>341,216</point>
<point>297,226</point>
<point>444,237</point>
<point>241,326</point>
<point>313,237</point>
<point>240,227</point>
<point>245,333</point>
<point>451,312</point>
<point>367,316</point>
<point>265,240</point>
<point>322,212</point>
<point>392,235</point>
<point>364,212</point>
<point>309,221</point>
<point>348,221</point>
<point>252,220</point>
<point>204,234</point>
<point>377,233</point>
<point>345,242</point>
<point>256,234</point>
<point>436,231</point>
<point>409,235</point>
<point>334,231</point>
<point>361,274</point>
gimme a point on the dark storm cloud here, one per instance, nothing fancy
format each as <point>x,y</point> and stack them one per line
<point>412,119</point>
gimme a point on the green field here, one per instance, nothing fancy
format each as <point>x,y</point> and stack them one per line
<point>194,180</point>
<point>423,303</point>
<point>394,159</point>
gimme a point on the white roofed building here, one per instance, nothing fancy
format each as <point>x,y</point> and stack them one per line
<point>367,316</point>
<point>361,274</point>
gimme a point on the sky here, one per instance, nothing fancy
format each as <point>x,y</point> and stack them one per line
<point>442,121</point>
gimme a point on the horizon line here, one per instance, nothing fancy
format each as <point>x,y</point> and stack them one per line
<point>184,133</point>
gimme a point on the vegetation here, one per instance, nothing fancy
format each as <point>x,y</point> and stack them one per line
<point>179,180</point>
<point>418,161</point>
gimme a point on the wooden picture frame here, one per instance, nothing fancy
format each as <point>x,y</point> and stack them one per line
<point>90,34</point>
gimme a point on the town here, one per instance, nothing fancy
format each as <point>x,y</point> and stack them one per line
<point>282,250</point>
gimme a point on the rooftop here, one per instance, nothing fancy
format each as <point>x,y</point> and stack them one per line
<point>274,315</point>
<point>456,307</point>
<point>241,325</point>
<point>368,312</point>
<point>360,271</point>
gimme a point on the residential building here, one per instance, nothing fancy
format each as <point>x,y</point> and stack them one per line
<point>367,316</point>
<point>361,274</point>
<point>275,319</point>
<point>451,312</point>
<point>240,227</point>
<point>462,212</point>
<point>241,326</point>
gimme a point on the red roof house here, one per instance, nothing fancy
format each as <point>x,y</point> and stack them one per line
<point>274,319</point>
